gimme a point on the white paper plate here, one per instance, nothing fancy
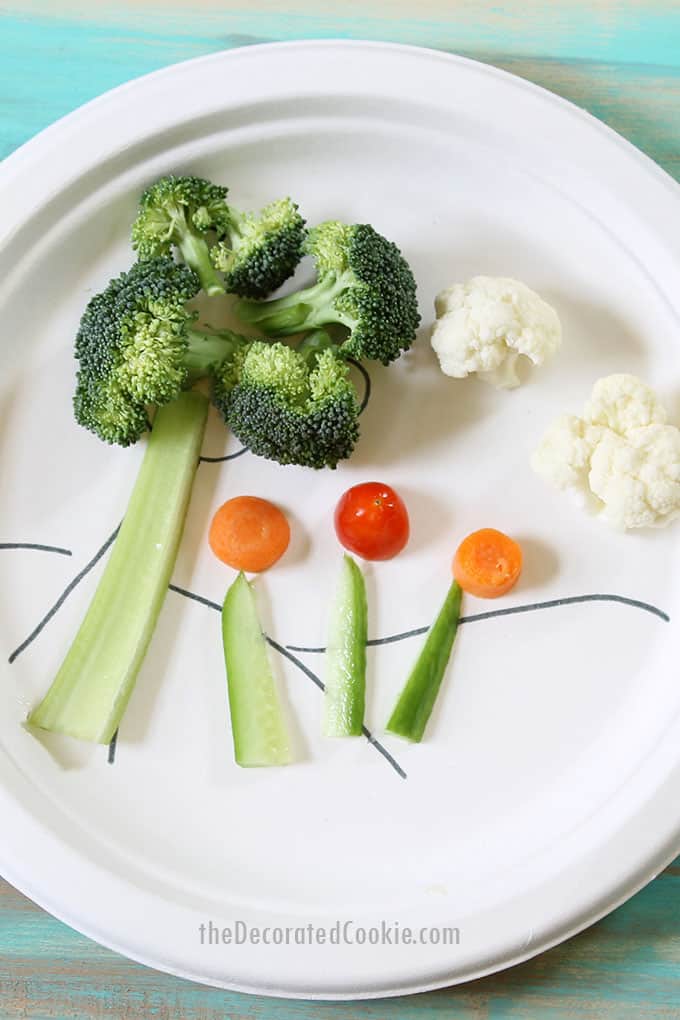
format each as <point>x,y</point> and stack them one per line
<point>548,788</point>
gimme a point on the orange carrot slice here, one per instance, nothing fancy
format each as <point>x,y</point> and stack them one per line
<point>249,533</point>
<point>487,563</point>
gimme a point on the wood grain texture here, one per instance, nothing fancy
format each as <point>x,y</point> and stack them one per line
<point>620,59</point>
<point>616,61</point>
<point>625,968</point>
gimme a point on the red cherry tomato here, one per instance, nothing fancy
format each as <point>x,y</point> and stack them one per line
<point>371,520</point>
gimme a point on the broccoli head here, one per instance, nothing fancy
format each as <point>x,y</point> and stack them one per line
<point>179,211</point>
<point>256,252</point>
<point>137,346</point>
<point>291,406</point>
<point>260,250</point>
<point>364,284</point>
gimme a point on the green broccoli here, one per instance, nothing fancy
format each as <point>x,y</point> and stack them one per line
<point>291,406</point>
<point>137,346</point>
<point>364,284</point>
<point>139,354</point>
<point>260,251</point>
<point>256,252</point>
<point>180,211</point>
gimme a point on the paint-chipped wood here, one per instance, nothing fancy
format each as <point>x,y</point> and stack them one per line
<point>627,967</point>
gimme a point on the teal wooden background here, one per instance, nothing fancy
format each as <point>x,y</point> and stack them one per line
<point>620,59</point>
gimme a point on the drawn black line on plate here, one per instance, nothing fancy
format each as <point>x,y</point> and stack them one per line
<point>64,595</point>
<point>367,383</point>
<point>530,607</point>
<point>196,598</point>
<point>112,748</point>
<point>37,546</point>
<point>283,650</point>
<point>220,460</point>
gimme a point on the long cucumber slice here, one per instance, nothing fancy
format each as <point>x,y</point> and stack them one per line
<point>257,724</point>
<point>345,695</point>
<point>89,695</point>
<point>416,701</point>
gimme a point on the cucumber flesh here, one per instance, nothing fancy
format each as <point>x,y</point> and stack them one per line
<point>345,694</point>
<point>416,701</point>
<point>257,724</point>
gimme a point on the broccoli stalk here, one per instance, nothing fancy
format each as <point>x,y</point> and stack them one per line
<point>137,347</point>
<point>364,285</point>
<point>89,695</point>
<point>256,252</point>
<point>207,351</point>
<point>311,308</point>
<point>196,254</point>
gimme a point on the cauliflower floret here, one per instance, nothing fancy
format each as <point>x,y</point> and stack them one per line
<point>637,476</point>
<point>485,325</point>
<point>620,456</point>
<point>622,403</point>
<point>563,458</point>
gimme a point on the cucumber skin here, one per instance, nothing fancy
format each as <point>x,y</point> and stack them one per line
<point>416,701</point>
<point>345,680</point>
<point>257,725</point>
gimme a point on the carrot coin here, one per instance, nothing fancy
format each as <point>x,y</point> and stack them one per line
<point>249,533</point>
<point>487,563</point>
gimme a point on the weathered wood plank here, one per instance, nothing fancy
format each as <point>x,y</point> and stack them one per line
<point>50,66</point>
<point>616,31</point>
<point>625,968</point>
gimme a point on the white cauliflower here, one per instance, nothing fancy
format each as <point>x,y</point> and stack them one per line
<point>486,325</point>
<point>622,403</point>
<point>620,455</point>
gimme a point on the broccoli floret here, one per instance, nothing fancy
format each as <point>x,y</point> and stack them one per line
<point>291,406</point>
<point>257,252</point>
<point>261,250</point>
<point>137,346</point>
<point>179,211</point>
<point>364,284</point>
